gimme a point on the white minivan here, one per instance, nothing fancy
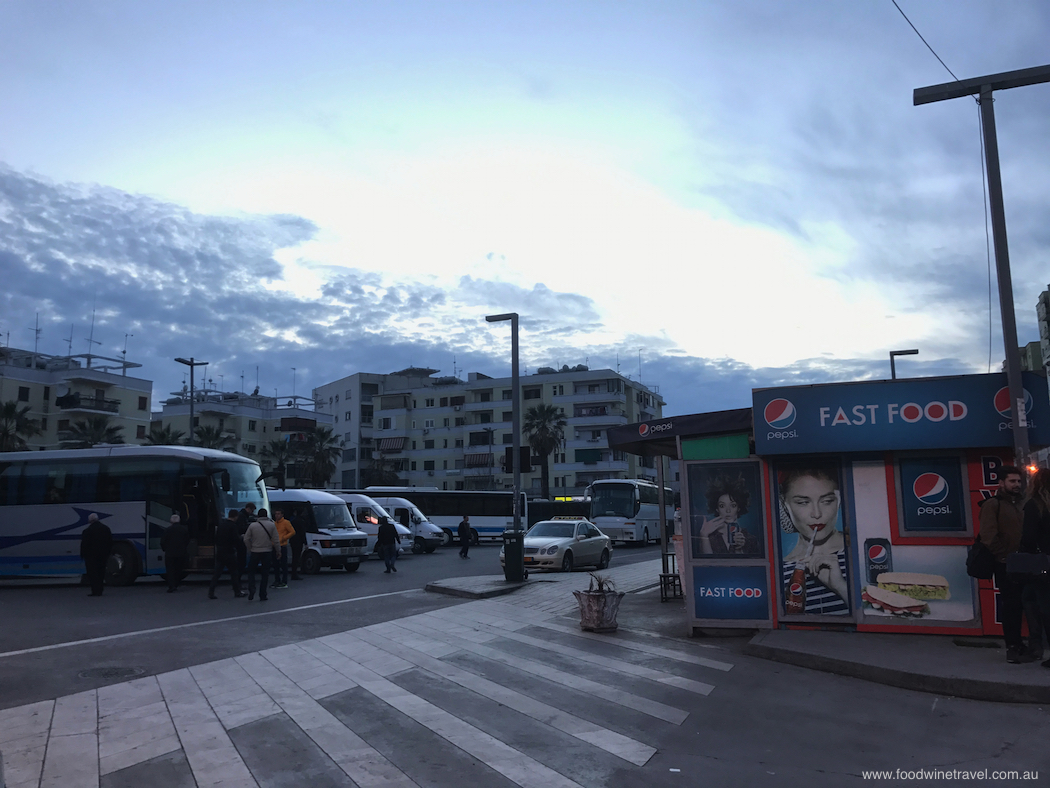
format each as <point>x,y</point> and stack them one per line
<point>368,515</point>
<point>426,537</point>
<point>332,537</point>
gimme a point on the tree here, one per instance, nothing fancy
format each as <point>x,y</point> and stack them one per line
<point>321,452</point>
<point>16,426</point>
<point>164,436</point>
<point>85,433</point>
<point>278,454</point>
<point>209,437</point>
<point>544,431</point>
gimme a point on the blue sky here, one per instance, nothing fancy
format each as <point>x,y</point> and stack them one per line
<point>743,192</point>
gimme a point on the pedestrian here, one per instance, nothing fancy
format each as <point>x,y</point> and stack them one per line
<point>262,543</point>
<point>244,519</point>
<point>1035,537</point>
<point>175,542</point>
<point>387,540</point>
<point>1001,523</point>
<point>285,531</point>
<point>226,540</point>
<point>464,537</point>
<point>96,542</point>
<point>298,542</point>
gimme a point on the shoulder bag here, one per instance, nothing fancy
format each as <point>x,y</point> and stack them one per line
<point>980,561</point>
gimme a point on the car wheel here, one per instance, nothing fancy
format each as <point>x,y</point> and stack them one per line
<point>473,536</point>
<point>123,565</point>
<point>448,537</point>
<point>603,562</point>
<point>310,563</point>
<point>430,549</point>
<point>566,562</point>
<point>352,566</point>
<point>418,546</point>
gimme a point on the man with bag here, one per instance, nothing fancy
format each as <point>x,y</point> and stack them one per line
<point>263,545</point>
<point>1001,523</point>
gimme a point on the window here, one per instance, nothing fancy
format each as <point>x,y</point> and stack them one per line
<point>508,415</point>
<point>533,392</point>
<point>348,394</point>
<point>484,418</point>
<point>444,465</point>
<point>460,421</point>
<point>196,421</point>
<point>336,419</point>
<point>444,422</point>
<point>140,431</point>
<point>445,442</point>
<point>222,424</point>
<point>461,464</point>
<point>459,442</point>
<point>443,402</point>
<point>47,393</point>
<point>456,400</point>
<point>143,403</point>
<point>429,402</point>
<point>558,390</point>
<point>349,455</point>
<point>444,485</point>
<point>508,394</point>
<point>428,465</point>
<point>596,435</point>
<point>592,388</point>
<point>366,414</point>
<point>384,424</point>
<point>336,397</point>
<point>413,445</point>
<point>484,396</point>
<point>427,423</point>
<point>23,393</point>
<point>347,437</point>
<point>480,438</point>
<point>459,485</point>
<point>428,444</point>
<point>413,464</point>
<point>252,424</point>
<point>63,424</point>
<point>346,416</point>
<point>43,422</point>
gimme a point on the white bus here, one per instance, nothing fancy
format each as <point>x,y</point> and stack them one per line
<point>491,512</point>
<point>628,510</point>
<point>47,496</point>
<point>331,537</point>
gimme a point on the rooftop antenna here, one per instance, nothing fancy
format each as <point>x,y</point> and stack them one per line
<point>256,378</point>
<point>222,384</point>
<point>69,342</point>
<point>639,365</point>
<point>242,380</point>
<point>617,362</point>
<point>36,337</point>
<point>124,354</point>
<point>91,337</point>
<point>293,382</point>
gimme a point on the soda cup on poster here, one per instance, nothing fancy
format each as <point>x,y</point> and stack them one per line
<point>878,558</point>
<point>795,598</point>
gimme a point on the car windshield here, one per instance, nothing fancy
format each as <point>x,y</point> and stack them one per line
<point>609,500</point>
<point>333,515</point>
<point>556,530</point>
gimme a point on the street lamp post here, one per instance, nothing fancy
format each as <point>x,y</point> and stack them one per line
<point>894,354</point>
<point>191,363</point>
<point>515,385</point>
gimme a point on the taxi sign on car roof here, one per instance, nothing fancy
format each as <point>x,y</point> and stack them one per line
<point>567,517</point>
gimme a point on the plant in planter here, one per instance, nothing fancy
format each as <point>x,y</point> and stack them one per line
<point>599,604</point>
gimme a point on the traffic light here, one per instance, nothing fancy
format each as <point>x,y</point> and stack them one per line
<point>526,459</point>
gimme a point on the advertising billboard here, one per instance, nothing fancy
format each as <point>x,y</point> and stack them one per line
<point>970,411</point>
<point>932,495</point>
<point>725,510</point>
<point>731,593</point>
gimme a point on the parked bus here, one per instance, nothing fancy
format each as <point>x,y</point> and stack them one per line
<point>47,496</point>
<point>627,510</point>
<point>490,512</point>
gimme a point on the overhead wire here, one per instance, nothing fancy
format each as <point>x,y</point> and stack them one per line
<point>984,179</point>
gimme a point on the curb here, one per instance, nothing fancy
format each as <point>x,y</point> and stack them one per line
<point>437,588</point>
<point>974,689</point>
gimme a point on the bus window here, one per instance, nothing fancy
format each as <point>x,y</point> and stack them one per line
<point>10,473</point>
<point>59,482</point>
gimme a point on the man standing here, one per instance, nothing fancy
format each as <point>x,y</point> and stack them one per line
<point>464,537</point>
<point>175,542</point>
<point>386,540</point>
<point>1001,524</point>
<point>244,519</point>
<point>96,542</point>
<point>285,531</point>
<point>263,543</point>
<point>226,541</point>
<point>298,542</point>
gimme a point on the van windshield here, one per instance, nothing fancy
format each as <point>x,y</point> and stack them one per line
<point>332,515</point>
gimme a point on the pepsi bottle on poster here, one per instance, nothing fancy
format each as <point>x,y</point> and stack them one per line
<point>878,558</point>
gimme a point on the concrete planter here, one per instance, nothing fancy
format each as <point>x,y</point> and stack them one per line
<point>598,609</point>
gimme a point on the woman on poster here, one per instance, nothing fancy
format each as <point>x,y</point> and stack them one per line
<point>721,534</point>
<point>814,571</point>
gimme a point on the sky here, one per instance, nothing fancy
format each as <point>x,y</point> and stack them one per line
<point>708,196</point>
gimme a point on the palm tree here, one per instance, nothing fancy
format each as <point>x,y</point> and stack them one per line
<point>321,452</point>
<point>16,426</point>
<point>544,431</point>
<point>278,454</point>
<point>164,436</point>
<point>210,437</point>
<point>85,433</point>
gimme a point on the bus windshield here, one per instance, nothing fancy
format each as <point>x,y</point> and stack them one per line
<point>332,515</point>
<point>244,488</point>
<point>613,500</point>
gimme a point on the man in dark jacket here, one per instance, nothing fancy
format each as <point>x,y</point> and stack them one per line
<point>175,542</point>
<point>386,540</point>
<point>1001,520</point>
<point>245,517</point>
<point>464,537</point>
<point>298,542</point>
<point>96,542</point>
<point>227,538</point>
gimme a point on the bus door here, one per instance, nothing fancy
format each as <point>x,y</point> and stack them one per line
<point>196,507</point>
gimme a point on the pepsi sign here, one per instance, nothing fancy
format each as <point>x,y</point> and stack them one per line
<point>932,494</point>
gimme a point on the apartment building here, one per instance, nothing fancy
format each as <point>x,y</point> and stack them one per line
<point>61,390</point>
<point>414,429</point>
<point>246,422</point>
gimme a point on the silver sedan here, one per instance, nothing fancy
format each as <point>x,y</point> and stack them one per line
<point>564,544</point>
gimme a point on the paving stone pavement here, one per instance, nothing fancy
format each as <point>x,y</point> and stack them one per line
<point>431,699</point>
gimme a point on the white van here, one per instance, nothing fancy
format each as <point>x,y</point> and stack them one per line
<point>368,515</point>
<point>332,537</point>
<point>426,537</point>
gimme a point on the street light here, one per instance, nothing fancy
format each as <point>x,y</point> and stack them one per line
<point>515,385</point>
<point>893,353</point>
<point>191,363</point>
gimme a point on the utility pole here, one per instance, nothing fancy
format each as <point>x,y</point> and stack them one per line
<point>985,87</point>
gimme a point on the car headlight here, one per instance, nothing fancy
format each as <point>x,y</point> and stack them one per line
<point>551,550</point>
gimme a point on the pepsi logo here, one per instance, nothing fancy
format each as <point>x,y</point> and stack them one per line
<point>1002,401</point>
<point>779,414</point>
<point>878,554</point>
<point>643,429</point>
<point>930,488</point>
<point>795,589</point>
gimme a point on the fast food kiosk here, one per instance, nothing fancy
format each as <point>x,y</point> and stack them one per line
<point>847,505</point>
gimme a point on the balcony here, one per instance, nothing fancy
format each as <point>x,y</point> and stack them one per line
<point>76,402</point>
<point>584,398</point>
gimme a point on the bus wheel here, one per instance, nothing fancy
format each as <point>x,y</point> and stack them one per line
<point>473,536</point>
<point>645,538</point>
<point>418,546</point>
<point>310,563</point>
<point>352,566</point>
<point>123,565</point>
<point>448,537</point>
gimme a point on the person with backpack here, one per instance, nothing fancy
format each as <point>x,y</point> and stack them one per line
<point>1035,538</point>
<point>263,545</point>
